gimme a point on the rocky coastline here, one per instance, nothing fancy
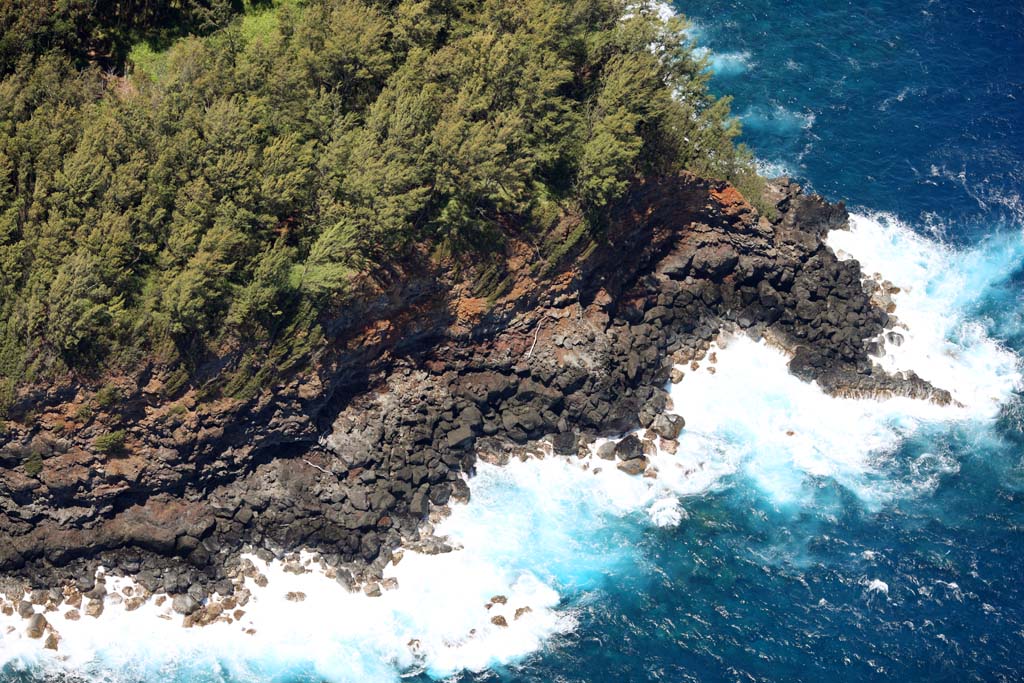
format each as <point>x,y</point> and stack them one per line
<point>349,459</point>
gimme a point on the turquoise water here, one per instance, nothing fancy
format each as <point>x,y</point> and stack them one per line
<point>871,543</point>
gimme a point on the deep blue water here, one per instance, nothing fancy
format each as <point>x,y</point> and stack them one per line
<point>912,108</point>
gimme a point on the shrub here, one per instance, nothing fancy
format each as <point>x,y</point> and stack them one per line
<point>33,464</point>
<point>110,443</point>
<point>108,396</point>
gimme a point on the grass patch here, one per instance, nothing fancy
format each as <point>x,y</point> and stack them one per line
<point>557,251</point>
<point>149,60</point>
<point>260,18</point>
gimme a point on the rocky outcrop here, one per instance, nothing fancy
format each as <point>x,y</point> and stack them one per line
<point>350,456</point>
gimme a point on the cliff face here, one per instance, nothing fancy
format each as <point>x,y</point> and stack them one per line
<point>349,457</point>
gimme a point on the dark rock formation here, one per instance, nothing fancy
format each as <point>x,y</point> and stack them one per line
<point>668,426</point>
<point>348,458</point>
<point>629,448</point>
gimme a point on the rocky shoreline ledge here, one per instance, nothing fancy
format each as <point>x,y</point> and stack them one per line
<point>349,459</point>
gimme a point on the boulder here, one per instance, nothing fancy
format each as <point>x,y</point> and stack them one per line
<point>629,448</point>
<point>606,451</point>
<point>98,592</point>
<point>183,603</point>
<point>36,626</point>
<point>344,579</point>
<point>85,582</point>
<point>499,620</point>
<point>420,503</point>
<point>676,265</point>
<point>633,467</point>
<point>460,437</point>
<point>460,491</point>
<point>94,608</point>
<point>74,598</point>
<point>471,416</point>
<point>441,493</point>
<point>715,261</point>
<point>668,426</point>
<point>486,387</point>
<point>565,443</point>
<point>621,416</point>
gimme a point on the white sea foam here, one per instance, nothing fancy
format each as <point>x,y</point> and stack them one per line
<point>533,529</point>
<point>726,64</point>
<point>542,530</point>
<point>773,169</point>
<point>938,286</point>
<point>530,527</point>
<point>777,119</point>
<point>753,418</point>
<point>665,10</point>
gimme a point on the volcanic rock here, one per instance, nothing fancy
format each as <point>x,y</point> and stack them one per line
<point>668,426</point>
<point>629,448</point>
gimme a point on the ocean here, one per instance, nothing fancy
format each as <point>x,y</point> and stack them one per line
<point>792,536</point>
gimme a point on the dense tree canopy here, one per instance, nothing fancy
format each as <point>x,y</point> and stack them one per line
<point>168,200</point>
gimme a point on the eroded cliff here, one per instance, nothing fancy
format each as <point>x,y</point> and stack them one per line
<point>349,456</point>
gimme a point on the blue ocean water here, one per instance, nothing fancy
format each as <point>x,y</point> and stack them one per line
<point>914,108</point>
<point>819,539</point>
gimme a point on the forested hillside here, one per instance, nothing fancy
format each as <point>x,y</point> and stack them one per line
<point>180,179</point>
